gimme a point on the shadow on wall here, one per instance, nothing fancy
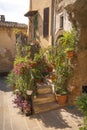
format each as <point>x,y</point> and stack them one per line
<point>40,29</point>
<point>6,60</point>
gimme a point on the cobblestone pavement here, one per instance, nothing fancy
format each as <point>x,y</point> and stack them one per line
<point>12,119</point>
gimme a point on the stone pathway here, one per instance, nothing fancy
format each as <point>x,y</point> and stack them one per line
<point>12,119</point>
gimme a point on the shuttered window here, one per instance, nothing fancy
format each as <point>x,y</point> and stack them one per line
<point>61,21</point>
<point>46,22</point>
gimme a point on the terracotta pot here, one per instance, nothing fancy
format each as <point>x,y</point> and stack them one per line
<point>70,54</point>
<point>33,64</point>
<point>38,80</point>
<point>50,69</point>
<point>52,77</point>
<point>61,99</point>
<point>54,64</point>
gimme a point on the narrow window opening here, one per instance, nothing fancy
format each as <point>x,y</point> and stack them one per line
<point>84,89</point>
<point>61,21</point>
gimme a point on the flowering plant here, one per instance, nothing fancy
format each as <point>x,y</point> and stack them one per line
<point>23,104</point>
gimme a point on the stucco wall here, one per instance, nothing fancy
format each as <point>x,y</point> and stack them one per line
<point>78,17</point>
<point>40,5</point>
<point>67,24</point>
<point>7,49</point>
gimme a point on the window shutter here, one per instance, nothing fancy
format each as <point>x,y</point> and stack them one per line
<point>46,22</point>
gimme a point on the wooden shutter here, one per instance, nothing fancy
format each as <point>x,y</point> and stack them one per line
<point>46,22</point>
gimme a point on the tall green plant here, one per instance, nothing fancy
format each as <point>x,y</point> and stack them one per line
<point>63,68</point>
<point>81,102</point>
<point>69,40</point>
<point>11,79</point>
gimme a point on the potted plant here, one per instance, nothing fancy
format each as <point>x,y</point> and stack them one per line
<point>53,76</point>
<point>61,83</point>
<point>63,73</point>
<point>37,75</point>
<point>63,67</point>
<point>70,52</point>
<point>69,42</point>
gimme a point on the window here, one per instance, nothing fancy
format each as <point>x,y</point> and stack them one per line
<point>84,89</point>
<point>61,21</point>
<point>46,22</point>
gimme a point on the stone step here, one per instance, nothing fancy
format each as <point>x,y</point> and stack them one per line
<point>44,90</point>
<point>45,107</point>
<point>44,98</point>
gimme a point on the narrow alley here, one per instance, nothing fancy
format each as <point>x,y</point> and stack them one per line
<point>12,119</point>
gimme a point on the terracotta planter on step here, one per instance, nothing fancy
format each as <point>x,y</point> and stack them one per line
<point>70,54</point>
<point>61,99</point>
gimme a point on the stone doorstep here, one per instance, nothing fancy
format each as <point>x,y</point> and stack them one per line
<point>44,90</point>
<point>47,107</point>
<point>44,98</point>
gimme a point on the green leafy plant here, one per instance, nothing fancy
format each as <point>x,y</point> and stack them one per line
<point>39,56</point>
<point>81,103</point>
<point>11,79</point>
<point>51,54</point>
<point>63,73</point>
<point>69,39</point>
<point>63,69</point>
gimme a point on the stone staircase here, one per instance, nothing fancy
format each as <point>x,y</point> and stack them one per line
<point>45,99</point>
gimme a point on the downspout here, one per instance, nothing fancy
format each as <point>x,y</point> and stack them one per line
<point>52,21</point>
<point>30,5</point>
<point>29,24</point>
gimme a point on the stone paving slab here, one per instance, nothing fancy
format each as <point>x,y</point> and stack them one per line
<point>12,119</point>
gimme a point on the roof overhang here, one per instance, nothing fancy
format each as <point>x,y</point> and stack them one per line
<point>31,13</point>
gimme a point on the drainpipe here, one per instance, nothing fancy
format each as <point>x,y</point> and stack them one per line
<point>30,4</point>
<point>29,22</point>
<point>52,22</point>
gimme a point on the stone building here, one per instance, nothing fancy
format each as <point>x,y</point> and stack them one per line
<point>61,19</point>
<point>76,10</point>
<point>7,42</point>
<point>62,15</point>
<point>40,22</point>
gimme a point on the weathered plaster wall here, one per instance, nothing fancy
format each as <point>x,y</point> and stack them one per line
<point>77,11</point>
<point>7,49</point>
<point>78,16</point>
<point>67,23</point>
<point>61,11</point>
<point>39,5</point>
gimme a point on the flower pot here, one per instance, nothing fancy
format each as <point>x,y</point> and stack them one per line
<point>70,54</point>
<point>61,99</point>
<point>33,64</point>
<point>38,81</point>
<point>50,69</point>
<point>52,77</point>
<point>54,64</point>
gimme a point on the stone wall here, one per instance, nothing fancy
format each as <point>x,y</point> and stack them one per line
<point>7,48</point>
<point>78,16</point>
<point>77,11</point>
